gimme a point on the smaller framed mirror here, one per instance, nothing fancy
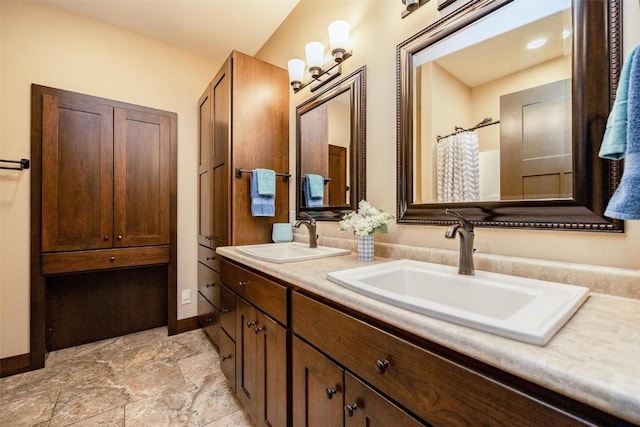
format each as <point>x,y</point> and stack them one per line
<point>331,150</point>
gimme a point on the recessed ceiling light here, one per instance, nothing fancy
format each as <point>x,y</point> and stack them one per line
<point>534,44</point>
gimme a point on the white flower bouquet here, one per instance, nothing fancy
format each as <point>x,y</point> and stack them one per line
<point>366,220</point>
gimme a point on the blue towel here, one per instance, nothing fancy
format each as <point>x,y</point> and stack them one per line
<point>614,142</point>
<point>261,205</point>
<point>266,182</point>
<point>312,202</point>
<point>625,202</point>
<point>316,185</point>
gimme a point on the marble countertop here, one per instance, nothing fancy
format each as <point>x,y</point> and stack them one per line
<point>594,358</point>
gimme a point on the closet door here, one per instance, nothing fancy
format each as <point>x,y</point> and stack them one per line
<point>77,174</point>
<point>141,178</point>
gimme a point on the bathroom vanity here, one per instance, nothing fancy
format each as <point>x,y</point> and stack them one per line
<point>351,359</point>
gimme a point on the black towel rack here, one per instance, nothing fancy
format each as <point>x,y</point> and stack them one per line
<point>285,175</point>
<point>24,164</point>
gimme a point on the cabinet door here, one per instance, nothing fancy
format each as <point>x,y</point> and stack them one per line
<point>221,104</point>
<point>318,388</point>
<point>247,381</point>
<point>366,408</point>
<point>205,138</point>
<point>261,366</point>
<point>141,178</point>
<point>77,174</point>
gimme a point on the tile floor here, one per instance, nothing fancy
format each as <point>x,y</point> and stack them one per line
<point>143,379</point>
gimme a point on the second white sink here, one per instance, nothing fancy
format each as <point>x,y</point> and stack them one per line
<point>289,252</point>
<point>524,309</point>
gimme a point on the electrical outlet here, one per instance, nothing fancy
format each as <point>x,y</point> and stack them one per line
<point>186,296</point>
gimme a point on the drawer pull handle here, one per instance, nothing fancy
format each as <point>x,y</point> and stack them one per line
<point>209,258</point>
<point>208,237</point>
<point>106,238</point>
<point>210,285</point>
<point>242,283</point>
<point>331,391</point>
<point>226,310</point>
<point>250,324</point>
<point>382,365</point>
<point>258,330</point>
<point>350,408</point>
<point>226,358</point>
<point>112,258</point>
<point>119,236</point>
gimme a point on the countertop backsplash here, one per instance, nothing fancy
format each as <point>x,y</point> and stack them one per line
<point>605,280</point>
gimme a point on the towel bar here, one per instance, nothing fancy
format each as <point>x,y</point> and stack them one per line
<point>285,175</point>
<point>24,164</point>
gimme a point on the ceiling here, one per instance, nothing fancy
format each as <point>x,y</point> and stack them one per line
<point>212,28</point>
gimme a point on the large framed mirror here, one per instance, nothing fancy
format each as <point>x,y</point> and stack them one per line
<point>509,135</point>
<point>331,150</point>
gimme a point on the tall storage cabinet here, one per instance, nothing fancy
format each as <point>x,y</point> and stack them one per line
<point>244,124</point>
<point>103,219</point>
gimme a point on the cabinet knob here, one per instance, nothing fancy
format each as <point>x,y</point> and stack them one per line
<point>119,236</point>
<point>350,408</point>
<point>106,238</point>
<point>226,358</point>
<point>209,320</point>
<point>226,310</point>
<point>258,330</point>
<point>112,258</point>
<point>242,283</point>
<point>331,391</point>
<point>250,324</point>
<point>382,365</point>
<point>208,237</point>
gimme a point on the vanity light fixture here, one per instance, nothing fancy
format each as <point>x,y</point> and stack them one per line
<point>411,6</point>
<point>320,72</point>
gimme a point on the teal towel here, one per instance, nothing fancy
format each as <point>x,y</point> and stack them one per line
<point>260,205</point>
<point>266,182</point>
<point>625,202</point>
<point>316,186</point>
<point>614,143</point>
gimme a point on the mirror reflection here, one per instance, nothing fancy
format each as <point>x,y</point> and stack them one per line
<point>330,150</point>
<point>326,135</point>
<point>493,110</point>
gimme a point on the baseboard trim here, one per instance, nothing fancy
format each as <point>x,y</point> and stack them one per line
<point>188,324</point>
<point>15,365</point>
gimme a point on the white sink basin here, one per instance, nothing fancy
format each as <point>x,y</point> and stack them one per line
<point>289,252</point>
<point>523,309</point>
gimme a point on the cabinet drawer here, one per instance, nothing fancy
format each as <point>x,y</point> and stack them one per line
<point>265,294</point>
<point>209,257</point>
<point>209,319</point>
<point>103,259</point>
<point>228,311</point>
<point>228,358</point>
<point>209,284</point>
<point>438,390</point>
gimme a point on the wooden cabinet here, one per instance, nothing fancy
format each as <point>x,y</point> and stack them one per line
<point>105,175</point>
<point>244,123</point>
<point>104,193</point>
<point>438,390</point>
<point>261,344</point>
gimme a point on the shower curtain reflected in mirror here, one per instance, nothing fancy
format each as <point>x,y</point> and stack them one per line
<point>458,168</point>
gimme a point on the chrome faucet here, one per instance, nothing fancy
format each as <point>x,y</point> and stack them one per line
<point>464,228</point>
<point>311,225</point>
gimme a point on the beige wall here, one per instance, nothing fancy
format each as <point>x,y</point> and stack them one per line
<point>53,48</point>
<point>376,31</point>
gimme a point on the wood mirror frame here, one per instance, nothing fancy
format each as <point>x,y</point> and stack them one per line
<point>596,60</point>
<point>355,85</point>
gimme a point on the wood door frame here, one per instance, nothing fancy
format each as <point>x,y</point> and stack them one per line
<point>37,286</point>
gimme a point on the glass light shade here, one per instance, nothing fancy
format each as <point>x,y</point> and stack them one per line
<point>296,70</point>
<point>315,54</point>
<point>339,35</point>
